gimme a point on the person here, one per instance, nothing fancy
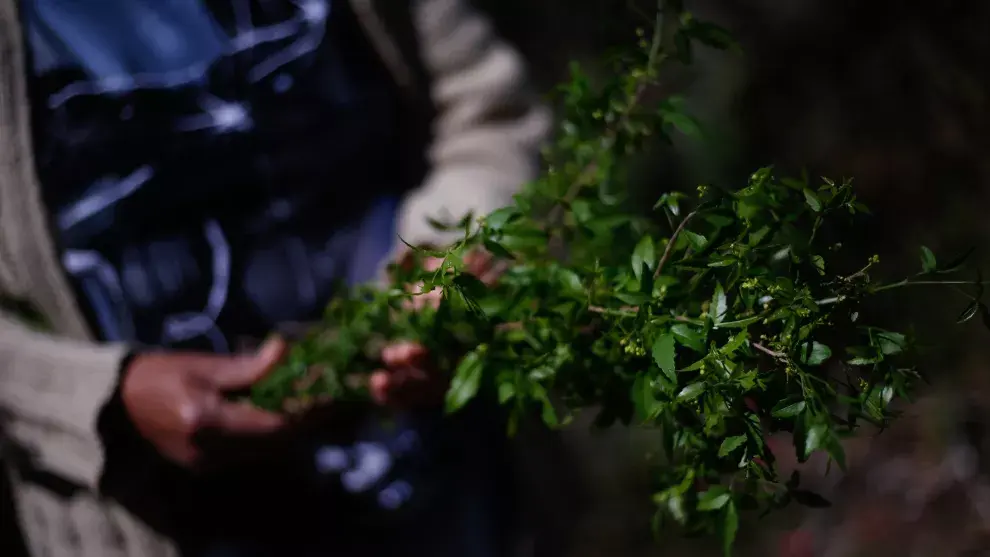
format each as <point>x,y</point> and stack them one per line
<point>179,179</point>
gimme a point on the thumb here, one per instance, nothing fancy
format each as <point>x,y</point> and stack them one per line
<point>240,372</point>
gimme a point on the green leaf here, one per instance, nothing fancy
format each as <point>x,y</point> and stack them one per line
<point>891,343</point>
<point>714,499</point>
<point>506,391</point>
<point>466,381</point>
<point>497,249</point>
<point>730,444</point>
<point>696,241</point>
<point>817,355</point>
<point>734,343</point>
<point>812,200</point>
<point>928,263</point>
<point>971,310</point>
<point>814,439</point>
<point>663,355</point>
<point>644,400</point>
<point>672,114</point>
<point>548,413</point>
<point>691,392</point>
<point>570,280</point>
<point>729,528</point>
<point>689,337</point>
<point>819,263</point>
<point>785,410</point>
<point>719,307</point>
<point>644,254</point>
<point>499,218</point>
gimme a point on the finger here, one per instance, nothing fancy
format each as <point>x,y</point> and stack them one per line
<point>432,263</point>
<point>379,384</point>
<point>240,372</point>
<point>240,418</point>
<point>494,272</point>
<point>405,354</point>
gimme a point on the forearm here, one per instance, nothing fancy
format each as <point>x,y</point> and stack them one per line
<point>52,391</point>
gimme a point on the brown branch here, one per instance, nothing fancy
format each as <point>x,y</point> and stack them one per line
<point>670,243</point>
<point>623,309</point>
<point>768,352</point>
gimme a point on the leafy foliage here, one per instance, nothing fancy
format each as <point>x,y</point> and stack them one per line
<point>717,318</point>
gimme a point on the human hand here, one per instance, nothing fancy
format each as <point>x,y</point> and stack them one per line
<point>408,378</point>
<point>479,263</point>
<point>170,397</point>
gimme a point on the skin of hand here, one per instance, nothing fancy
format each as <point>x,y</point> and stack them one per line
<point>171,397</point>
<point>408,378</point>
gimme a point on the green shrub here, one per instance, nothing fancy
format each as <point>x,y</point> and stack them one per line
<point>719,318</point>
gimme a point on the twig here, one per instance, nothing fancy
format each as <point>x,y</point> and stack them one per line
<point>624,310</point>
<point>656,57</point>
<point>670,243</point>
<point>768,352</point>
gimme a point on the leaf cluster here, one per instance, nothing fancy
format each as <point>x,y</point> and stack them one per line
<point>717,318</point>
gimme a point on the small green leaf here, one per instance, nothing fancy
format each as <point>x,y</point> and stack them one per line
<point>719,306</point>
<point>734,343</point>
<point>819,263</point>
<point>466,381</point>
<point>499,218</point>
<point>729,528</point>
<point>814,439</point>
<point>644,254</point>
<point>971,310</point>
<point>928,263</point>
<point>497,249</point>
<point>817,355</point>
<point>689,337</point>
<point>644,399</point>
<point>730,444</point>
<point>506,391</point>
<point>691,392</point>
<point>696,241</point>
<point>891,343</point>
<point>714,499</point>
<point>812,200</point>
<point>663,355</point>
<point>791,410</point>
<point>570,280</point>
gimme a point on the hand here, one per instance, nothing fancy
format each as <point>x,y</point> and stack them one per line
<point>408,379</point>
<point>172,397</point>
<point>479,263</point>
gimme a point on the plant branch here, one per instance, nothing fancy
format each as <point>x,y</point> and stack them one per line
<point>656,57</point>
<point>670,243</point>
<point>907,282</point>
<point>767,351</point>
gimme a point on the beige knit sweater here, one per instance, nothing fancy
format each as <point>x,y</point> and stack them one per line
<point>486,130</point>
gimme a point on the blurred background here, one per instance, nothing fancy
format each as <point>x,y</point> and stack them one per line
<point>896,95</point>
